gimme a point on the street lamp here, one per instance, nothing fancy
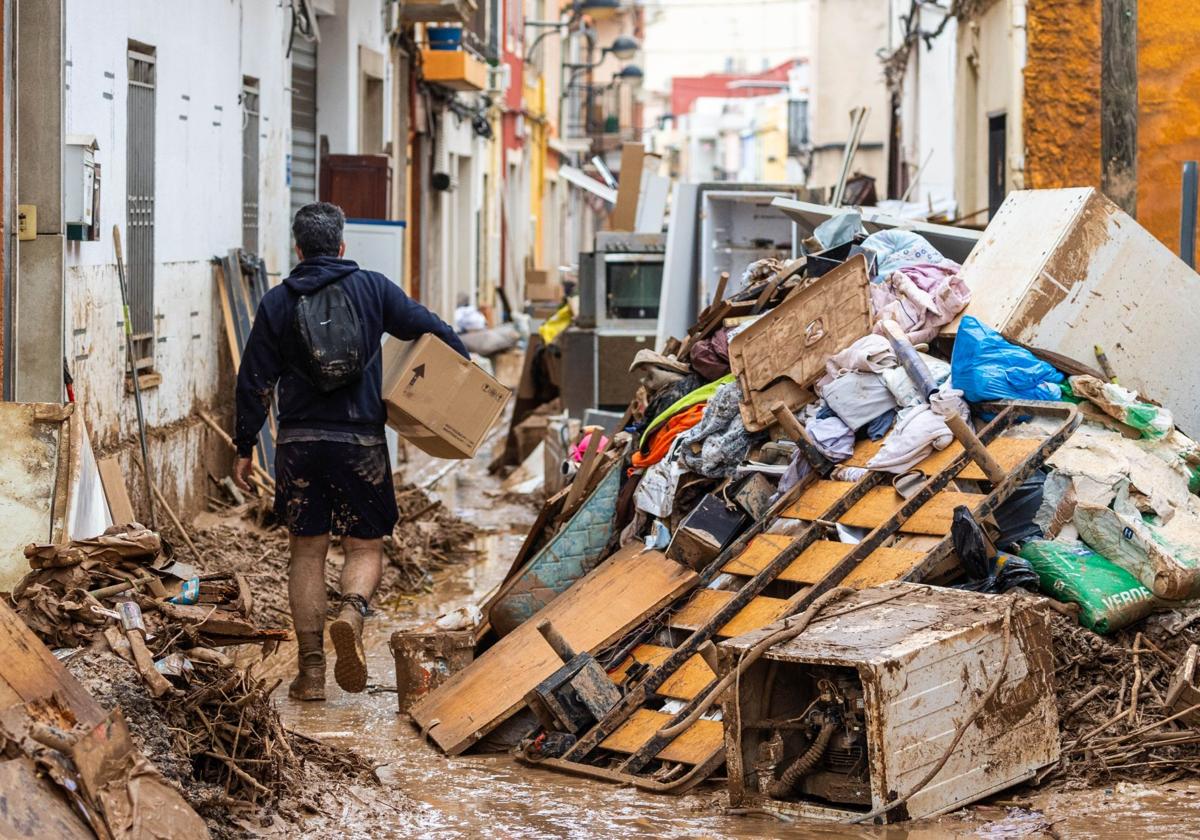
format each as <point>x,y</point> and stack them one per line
<point>631,75</point>
<point>598,8</point>
<point>624,47</point>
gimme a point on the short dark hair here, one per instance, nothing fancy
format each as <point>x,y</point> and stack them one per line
<point>318,229</point>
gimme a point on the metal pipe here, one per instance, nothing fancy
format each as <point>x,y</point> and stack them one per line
<point>1187,214</point>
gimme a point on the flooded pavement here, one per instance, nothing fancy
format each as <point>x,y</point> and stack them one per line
<point>493,796</point>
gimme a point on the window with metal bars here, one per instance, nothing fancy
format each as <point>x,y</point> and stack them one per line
<point>139,191</point>
<point>250,164</point>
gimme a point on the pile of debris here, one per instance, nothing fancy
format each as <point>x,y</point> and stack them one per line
<point>146,633</point>
<point>870,413</point>
<point>428,538</point>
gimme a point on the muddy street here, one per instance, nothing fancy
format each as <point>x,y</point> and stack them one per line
<point>494,796</point>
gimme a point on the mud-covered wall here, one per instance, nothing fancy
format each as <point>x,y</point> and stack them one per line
<point>1062,94</point>
<point>1168,110</point>
<point>1062,102</point>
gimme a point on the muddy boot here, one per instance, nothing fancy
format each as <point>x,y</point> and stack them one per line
<point>350,669</point>
<point>310,681</point>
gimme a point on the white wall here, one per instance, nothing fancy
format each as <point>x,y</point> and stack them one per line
<point>203,51</point>
<point>928,98</point>
<point>846,73</point>
<point>357,22</point>
<point>198,135</point>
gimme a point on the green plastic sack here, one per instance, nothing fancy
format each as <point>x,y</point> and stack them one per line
<point>1109,597</point>
<point>1154,422</point>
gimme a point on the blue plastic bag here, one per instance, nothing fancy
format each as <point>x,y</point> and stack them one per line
<point>985,366</point>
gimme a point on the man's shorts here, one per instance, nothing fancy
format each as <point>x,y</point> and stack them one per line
<point>343,488</point>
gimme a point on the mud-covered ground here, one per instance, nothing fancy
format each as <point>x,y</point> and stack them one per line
<point>494,797</point>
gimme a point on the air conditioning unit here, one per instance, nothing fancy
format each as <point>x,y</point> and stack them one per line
<point>859,708</point>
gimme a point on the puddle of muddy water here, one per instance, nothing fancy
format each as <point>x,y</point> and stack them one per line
<point>493,796</point>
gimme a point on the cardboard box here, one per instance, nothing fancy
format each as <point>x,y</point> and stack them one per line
<point>543,285</point>
<point>438,400</point>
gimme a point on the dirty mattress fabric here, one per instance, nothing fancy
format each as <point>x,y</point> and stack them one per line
<point>716,446</point>
<point>663,438</point>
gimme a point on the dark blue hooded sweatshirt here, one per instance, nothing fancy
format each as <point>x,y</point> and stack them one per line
<point>357,408</point>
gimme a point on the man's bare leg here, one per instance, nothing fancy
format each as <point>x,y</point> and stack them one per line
<point>360,579</point>
<point>306,596</point>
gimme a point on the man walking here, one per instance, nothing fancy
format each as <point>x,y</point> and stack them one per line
<point>317,338</point>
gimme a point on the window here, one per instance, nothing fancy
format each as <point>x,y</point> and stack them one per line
<point>997,181</point>
<point>302,167</point>
<point>250,164</point>
<point>371,64</point>
<point>797,127</point>
<point>139,208</point>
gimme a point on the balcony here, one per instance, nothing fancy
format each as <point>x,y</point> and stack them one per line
<point>437,11</point>
<point>454,69</point>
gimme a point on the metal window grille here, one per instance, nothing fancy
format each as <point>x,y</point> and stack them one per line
<point>303,170</point>
<point>250,165</point>
<point>139,185</point>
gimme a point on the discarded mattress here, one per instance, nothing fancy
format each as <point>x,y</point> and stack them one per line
<point>570,555</point>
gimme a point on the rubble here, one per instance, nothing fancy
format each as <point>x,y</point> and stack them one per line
<point>874,407</point>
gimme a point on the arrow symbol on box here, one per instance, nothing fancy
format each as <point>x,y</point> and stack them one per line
<point>418,373</point>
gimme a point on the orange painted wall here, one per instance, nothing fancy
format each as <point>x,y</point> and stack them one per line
<point>1062,101</point>
<point>1062,94</point>
<point>1168,109</point>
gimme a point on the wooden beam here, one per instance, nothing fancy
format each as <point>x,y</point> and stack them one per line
<point>1119,102</point>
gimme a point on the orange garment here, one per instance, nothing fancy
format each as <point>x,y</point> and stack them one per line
<point>664,436</point>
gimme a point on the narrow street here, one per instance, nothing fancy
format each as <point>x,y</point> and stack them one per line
<point>493,796</point>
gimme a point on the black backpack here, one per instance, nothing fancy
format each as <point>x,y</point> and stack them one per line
<point>329,336</point>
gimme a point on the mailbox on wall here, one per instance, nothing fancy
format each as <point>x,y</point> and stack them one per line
<point>81,188</point>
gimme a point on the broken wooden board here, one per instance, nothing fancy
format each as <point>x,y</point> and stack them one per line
<point>1008,452</point>
<point>684,684</point>
<point>706,603</point>
<point>816,561</point>
<point>934,517</point>
<point>695,745</point>
<point>779,356</point>
<point>613,597</point>
<point>115,491</point>
<point>29,673</point>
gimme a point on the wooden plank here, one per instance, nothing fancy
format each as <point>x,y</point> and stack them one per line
<point>694,746</point>
<point>882,565</point>
<point>934,517</point>
<point>1008,451</point>
<point>1119,102</point>
<point>818,498</point>
<point>706,603</point>
<point>615,596</point>
<point>29,672</point>
<point>231,336</point>
<point>684,684</point>
<point>624,215</point>
<point>816,561</point>
<point>115,491</point>
<point>761,551</point>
